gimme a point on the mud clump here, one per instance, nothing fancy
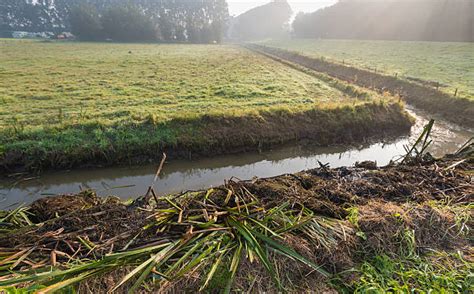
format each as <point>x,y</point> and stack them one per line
<point>67,221</point>
<point>52,207</point>
<point>330,191</point>
<point>366,164</point>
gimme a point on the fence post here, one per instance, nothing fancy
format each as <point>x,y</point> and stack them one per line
<point>456,92</point>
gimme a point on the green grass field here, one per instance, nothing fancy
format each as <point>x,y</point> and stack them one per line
<point>43,83</point>
<point>64,101</point>
<point>450,64</point>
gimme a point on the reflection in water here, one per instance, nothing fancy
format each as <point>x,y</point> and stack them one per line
<point>179,175</point>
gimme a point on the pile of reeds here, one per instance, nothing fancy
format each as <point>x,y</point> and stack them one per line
<point>289,228</point>
<point>209,233</point>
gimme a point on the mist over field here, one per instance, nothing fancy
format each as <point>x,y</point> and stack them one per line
<point>216,20</point>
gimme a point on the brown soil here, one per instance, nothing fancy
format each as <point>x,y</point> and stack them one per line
<point>52,207</point>
<point>421,95</point>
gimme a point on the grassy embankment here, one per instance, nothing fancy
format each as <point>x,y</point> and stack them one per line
<point>71,104</point>
<point>402,228</point>
<point>426,74</point>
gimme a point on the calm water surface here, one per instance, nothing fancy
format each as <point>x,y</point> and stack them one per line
<point>179,175</point>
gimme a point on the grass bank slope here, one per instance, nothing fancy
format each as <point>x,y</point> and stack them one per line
<point>70,104</point>
<point>458,110</point>
<point>450,64</point>
<point>363,229</point>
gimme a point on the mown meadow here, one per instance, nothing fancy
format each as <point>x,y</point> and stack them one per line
<point>65,103</point>
<point>448,63</point>
<point>44,84</point>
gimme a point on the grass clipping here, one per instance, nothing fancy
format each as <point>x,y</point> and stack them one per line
<point>347,229</point>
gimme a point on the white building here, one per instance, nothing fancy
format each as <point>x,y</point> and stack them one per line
<point>19,34</point>
<point>22,35</point>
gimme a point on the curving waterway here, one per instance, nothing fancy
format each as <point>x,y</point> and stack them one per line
<point>180,175</point>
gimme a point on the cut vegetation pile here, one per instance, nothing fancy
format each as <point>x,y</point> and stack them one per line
<point>404,227</point>
<point>415,91</point>
<point>103,104</point>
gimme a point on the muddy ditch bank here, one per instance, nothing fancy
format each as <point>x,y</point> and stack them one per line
<point>206,136</point>
<point>458,110</point>
<point>296,232</point>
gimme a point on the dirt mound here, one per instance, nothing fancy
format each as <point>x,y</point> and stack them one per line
<point>330,191</point>
<point>52,207</point>
<point>89,222</point>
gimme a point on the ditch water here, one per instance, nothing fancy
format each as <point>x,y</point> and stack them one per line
<point>180,175</point>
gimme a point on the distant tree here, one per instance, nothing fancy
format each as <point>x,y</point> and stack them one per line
<point>218,19</point>
<point>423,20</point>
<point>302,26</point>
<point>86,22</point>
<point>165,27</point>
<point>24,15</point>
<point>128,23</point>
<point>266,21</point>
<point>200,21</point>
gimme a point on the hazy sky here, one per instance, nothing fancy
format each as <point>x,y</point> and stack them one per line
<point>237,7</point>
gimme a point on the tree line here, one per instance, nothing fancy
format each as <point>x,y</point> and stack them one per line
<point>424,20</point>
<point>266,21</point>
<point>196,21</point>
